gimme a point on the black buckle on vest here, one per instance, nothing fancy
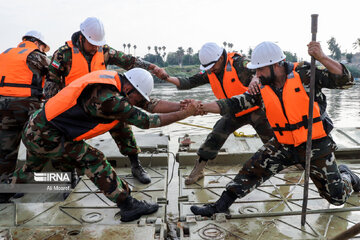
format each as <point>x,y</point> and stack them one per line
<point>2,81</point>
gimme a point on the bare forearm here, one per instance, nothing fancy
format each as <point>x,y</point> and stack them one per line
<point>333,66</point>
<point>166,107</point>
<point>211,107</point>
<point>173,80</point>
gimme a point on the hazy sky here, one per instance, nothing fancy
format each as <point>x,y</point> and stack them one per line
<point>186,23</point>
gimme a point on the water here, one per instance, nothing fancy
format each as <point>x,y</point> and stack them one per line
<point>343,108</point>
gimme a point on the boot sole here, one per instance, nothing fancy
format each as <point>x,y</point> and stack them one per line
<point>138,215</point>
<point>188,182</point>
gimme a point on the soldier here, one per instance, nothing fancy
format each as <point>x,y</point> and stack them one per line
<point>87,52</point>
<point>22,72</point>
<point>88,107</point>
<point>228,76</point>
<point>284,97</point>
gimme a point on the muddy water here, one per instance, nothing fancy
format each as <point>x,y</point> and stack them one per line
<point>343,108</point>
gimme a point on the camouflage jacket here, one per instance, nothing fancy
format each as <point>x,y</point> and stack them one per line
<point>61,64</point>
<point>240,62</point>
<point>38,63</point>
<point>102,102</point>
<point>323,79</point>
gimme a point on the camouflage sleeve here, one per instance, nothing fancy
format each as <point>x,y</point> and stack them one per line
<point>120,59</point>
<point>238,103</point>
<point>38,63</point>
<point>59,68</point>
<point>244,74</point>
<point>104,102</point>
<point>324,78</point>
<point>194,81</point>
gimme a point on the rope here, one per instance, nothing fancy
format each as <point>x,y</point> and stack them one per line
<point>236,134</point>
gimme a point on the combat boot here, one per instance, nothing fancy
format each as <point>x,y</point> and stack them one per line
<point>132,209</point>
<point>355,180</point>
<point>197,172</point>
<point>220,206</point>
<point>138,171</point>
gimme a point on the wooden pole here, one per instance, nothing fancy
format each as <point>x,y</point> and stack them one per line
<point>314,21</point>
<point>351,232</point>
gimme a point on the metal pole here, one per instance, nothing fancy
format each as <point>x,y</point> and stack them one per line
<point>314,21</point>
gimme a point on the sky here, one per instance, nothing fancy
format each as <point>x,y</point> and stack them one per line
<point>186,23</point>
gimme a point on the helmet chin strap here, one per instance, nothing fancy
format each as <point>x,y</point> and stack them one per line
<point>272,74</point>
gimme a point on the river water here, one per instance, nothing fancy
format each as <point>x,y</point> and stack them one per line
<point>343,108</point>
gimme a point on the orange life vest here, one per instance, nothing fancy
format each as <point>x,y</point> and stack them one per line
<point>289,117</point>
<point>64,112</point>
<point>17,80</point>
<point>79,65</point>
<point>230,84</point>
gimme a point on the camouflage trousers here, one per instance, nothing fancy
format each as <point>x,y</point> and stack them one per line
<point>14,113</point>
<point>274,157</point>
<point>227,124</point>
<point>45,142</point>
<point>124,139</point>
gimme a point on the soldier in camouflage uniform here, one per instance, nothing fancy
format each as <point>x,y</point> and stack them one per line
<point>216,66</point>
<point>280,78</point>
<point>21,68</point>
<point>89,41</point>
<point>100,103</point>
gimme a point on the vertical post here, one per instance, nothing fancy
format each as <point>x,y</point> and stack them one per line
<point>314,21</point>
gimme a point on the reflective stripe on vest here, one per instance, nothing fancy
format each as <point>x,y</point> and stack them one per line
<point>64,113</point>
<point>79,65</point>
<point>16,79</point>
<point>230,84</point>
<point>289,118</point>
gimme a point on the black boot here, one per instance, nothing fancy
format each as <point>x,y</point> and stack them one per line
<point>4,197</point>
<point>132,209</point>
<point>137,170</point>
<point>221,205</point>
<point>355,180</point>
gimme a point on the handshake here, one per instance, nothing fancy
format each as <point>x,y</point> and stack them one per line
<point>192,107</point>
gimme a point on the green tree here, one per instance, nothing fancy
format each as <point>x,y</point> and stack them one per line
<point>356,44</point>
<point>180,54</point>
<point>128,45</point>
<point>154,58</point>
<point>149,48</point>
<point>290,56</point>
<point>334,48</point>
<point>224,43</point>
<point>250,52</point>
<point>134,50</point>
<point>124,45</point>
<point>349,57</point>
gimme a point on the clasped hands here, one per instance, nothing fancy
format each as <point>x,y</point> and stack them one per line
<point>192,106</point>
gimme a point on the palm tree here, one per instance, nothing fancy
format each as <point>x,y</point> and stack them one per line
<point>128,45</point>
<point>230,45</point>
<point>149,48</point>
<point>163,48</point>
<point>134,50</point>
<point>356,44</point>
<point>124,45</point>
<point>180,54</point>
<point>224,43</point>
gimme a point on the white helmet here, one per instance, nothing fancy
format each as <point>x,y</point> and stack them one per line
<point>265,54</point>
<point>141,80</point>
<point>93,30</point>
<point>209,54</point>
<point>37,35</point>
